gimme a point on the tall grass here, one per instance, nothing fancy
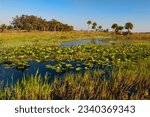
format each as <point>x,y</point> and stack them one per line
<point>134,39</point>
<point>128,81</point>
<point>18,39</point>
<point>131,83</point>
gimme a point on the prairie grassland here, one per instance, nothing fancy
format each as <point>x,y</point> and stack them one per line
<point>140,36</point>
<point>11,39</point>
<point>18,39</point>
<point>131,83</point>
<point>134,39</point>
<point>131,79</point>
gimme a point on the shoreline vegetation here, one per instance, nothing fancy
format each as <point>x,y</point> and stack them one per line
<point>128,52</point>
<point>130,83</point>
<point>11,39</point>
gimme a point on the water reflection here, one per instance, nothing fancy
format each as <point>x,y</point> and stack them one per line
<point>82,42</point>
<point>7,74</point>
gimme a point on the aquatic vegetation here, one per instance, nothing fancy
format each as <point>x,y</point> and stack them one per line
<point>78,68</point>
<point>131,83</point>
<point>22,65</point>
<point>73,59</point>
<point>127,79</point>
<point>89,55</point>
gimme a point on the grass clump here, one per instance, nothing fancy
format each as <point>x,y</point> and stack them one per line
<point>131,83</point>
<point>32,39</point>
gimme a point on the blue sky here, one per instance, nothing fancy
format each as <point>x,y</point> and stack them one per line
<point>77,12</point>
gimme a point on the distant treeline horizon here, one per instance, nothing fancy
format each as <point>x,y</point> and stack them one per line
<point>35,23</point>
<point>32,22</point>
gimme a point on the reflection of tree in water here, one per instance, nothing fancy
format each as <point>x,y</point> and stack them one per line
<point>93,41</point>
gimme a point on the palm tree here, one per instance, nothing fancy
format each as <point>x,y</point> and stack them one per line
<point>120,29</point>
<point>94,25</point>
<point>100,27</point>
<point>114,26</point>
<point>89,23</point>
<point>106,30</point>
<point>129,26</point>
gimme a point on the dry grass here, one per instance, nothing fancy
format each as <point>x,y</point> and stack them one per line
<point>140,36</point>
<point>18,39</point>
<point>134,39</point>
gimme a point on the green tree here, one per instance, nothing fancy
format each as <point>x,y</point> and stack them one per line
<point>19,26</point>
<point>35,26</point>
<point>9,27</point>
<point>38,23</point>
<point>116,30</point>
<point>41,27</point>
<point>114,26</point>
<point>46,27</point>
<point>129,26</point>
<point>94,26</point>
<point>99,28</point>
<point>55,24</point>
<point>61,27</point>
<point>89,23</point>
<point>3,27</point>
<point>106,30</point>
<point>120,29</point>
<point>29,27</point>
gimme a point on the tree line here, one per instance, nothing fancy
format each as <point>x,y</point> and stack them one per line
<point>95,27</point>
<point>117,29</point>
<point>31,22</point>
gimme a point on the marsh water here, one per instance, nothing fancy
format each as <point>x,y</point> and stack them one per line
<point>82,42</point>
<point>11,75</point>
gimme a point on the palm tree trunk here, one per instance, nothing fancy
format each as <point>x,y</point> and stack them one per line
<point>88,28</point>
